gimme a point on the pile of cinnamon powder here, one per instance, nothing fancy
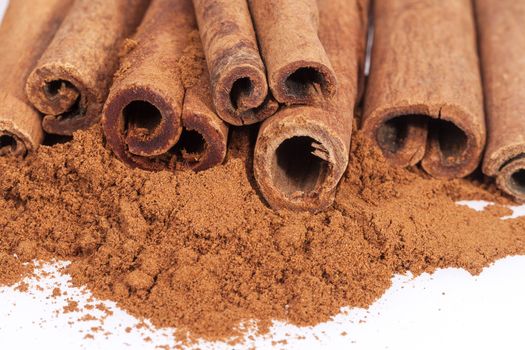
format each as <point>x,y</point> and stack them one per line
<point>203,253</point>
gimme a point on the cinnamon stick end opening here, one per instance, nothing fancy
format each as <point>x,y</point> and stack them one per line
<point>452,141</point>
<point>452,152</point>
<point>304,83</point>
<point>54,90</point>
<point>402,139</point>
<point>298,163</point>
<point>298,168</point>
<point>241,95</point>
<point>517,182</point>
<point>11,146</point>
<point>191,148</point>
<point>511,177</point>
<point>142,121</point>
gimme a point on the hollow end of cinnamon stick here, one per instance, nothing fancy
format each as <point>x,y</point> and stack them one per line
<point>237,72</point>
<point>12,145</point>
<point>20,129</point>
<point>511,178</point>
<point>303,82</point>
<point>241,95</point>
<point>299,160</point>
<point>507,165</point>
<point>67,102</point>
<point>438,137</point>
<point>141,126</point>
<point>203,143</point>
<point>401,134</point>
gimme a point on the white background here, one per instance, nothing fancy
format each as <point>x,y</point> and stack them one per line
<point>449,309</point>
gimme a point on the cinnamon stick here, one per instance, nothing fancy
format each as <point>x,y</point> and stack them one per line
<point>302,151</point>
<point>238,76</point>
<point>502,48</point>
<point>158,114</point>
<point>204,140</point>
<point>71,80</point>
<point>26,30</point>
<point>298,65</point>
<point>424,98</point>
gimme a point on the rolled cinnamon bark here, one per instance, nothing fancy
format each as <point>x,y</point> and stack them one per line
<point>502,47</point>
<point>238,76</point>
<point>299,71</point>
<point>204,140</point>
<point>71,80</point>
<point>144,120</point>
<point>26,30</point>
<point>424,98</point>
<point>302,151</point>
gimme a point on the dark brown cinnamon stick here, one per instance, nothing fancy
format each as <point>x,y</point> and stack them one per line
<point>502,47</point>
<point>424,98</point>
<point>204,140</point>
<point>299,70</point>
<point>26,30</point>
<point>238,76</point>
<point>302,151</point>
<point>148,121</point>
<point>71,80</point>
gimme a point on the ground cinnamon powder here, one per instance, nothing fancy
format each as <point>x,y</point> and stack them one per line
<point>203,253</point>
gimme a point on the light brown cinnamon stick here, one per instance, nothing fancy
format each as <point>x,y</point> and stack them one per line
<point>158,113</point>
<point>238,76</point>
<point>71,80</point>
<point>299,71</point>
<point>302,151</point>
<point>26,30</point>
<point>424,99</point>
<point>502,47</point>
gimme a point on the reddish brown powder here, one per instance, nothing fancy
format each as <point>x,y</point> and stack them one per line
<point>203,253</point>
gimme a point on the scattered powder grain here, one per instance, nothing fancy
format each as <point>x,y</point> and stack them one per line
<point>203,253</point>
<point>498,210</point>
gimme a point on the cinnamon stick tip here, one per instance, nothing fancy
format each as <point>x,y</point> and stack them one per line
<point>511,178</point>
<point>437,135</point>
<point>300,82</point>
<point>507,164</point>
<point>299,161</point>
<point>237,90</point>
<point>203,143</point>
<point>12,145</point>
<point>53,88</point>
<point>141,121</point>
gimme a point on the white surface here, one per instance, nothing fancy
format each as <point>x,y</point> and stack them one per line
<point>450,309</point>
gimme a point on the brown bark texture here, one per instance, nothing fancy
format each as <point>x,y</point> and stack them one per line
<point>502,47</point>
<point>71,80</point>
<point>299,70</point>
<point>302,152</point>
<point>26,30</point>
<point>238,76</point>
<point>204,140</point>
<point>159,84</point>
<point>424,100</point>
